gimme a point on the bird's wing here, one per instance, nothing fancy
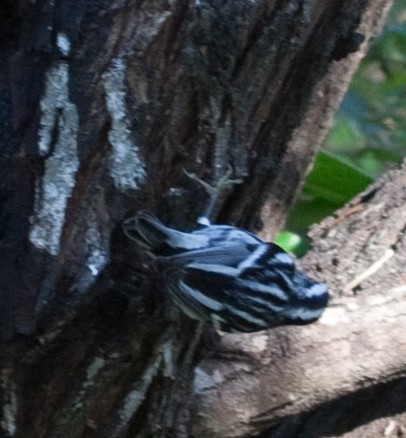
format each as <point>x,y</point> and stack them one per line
<point>216,292</point>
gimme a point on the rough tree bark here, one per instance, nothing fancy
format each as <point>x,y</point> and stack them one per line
<point>102,105</point>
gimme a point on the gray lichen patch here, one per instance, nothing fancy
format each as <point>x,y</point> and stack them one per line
<point>63,44</point>
<point>137,394</point>
<point>96,261</point>
<point>54,100</point>
<point>58,181</point>
<point>96,245</point>
<point>126,166</point>
<point>92,372</point>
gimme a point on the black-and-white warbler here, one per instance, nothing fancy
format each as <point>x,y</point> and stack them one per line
<point>229,277</point>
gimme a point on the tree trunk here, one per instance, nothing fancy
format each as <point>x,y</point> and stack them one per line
<point>103,105</point>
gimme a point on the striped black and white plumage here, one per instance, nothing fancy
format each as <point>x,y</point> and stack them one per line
<point>229,277</point>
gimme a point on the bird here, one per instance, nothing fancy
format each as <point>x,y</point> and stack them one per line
<point>228,277</point>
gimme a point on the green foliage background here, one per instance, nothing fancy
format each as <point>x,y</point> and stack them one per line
<point>368,135</point>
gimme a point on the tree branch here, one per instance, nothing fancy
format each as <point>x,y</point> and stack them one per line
<point>359,341</point>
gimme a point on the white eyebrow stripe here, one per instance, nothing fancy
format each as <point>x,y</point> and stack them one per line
<point>284,258</point>
<point>249,261</point>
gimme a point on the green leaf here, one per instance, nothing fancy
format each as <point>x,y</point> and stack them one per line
<point>334,180</point>
<point>309,211</point>
<point>289,241</point>
<point>368,135</point>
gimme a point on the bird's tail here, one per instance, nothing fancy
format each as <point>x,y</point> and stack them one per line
<point>158,239</point>
<point>147,230</point>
